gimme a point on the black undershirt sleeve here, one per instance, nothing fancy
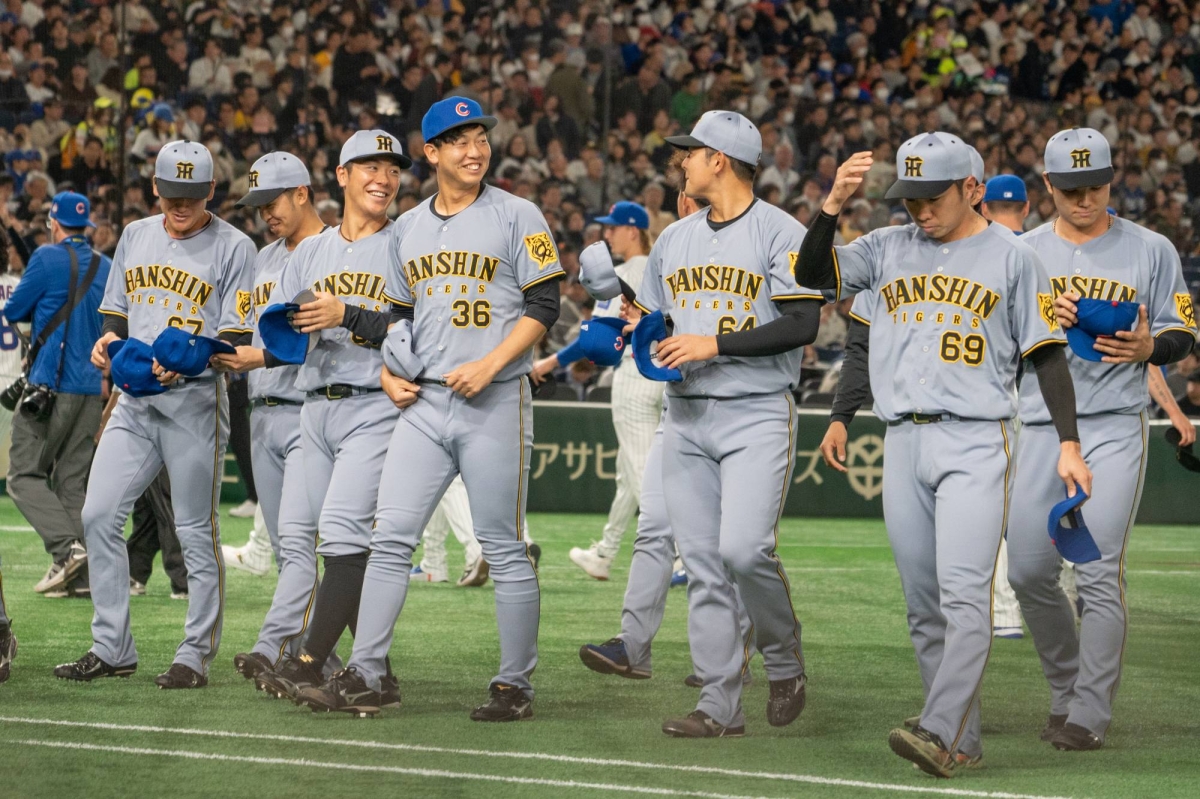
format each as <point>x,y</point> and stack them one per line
<point>1171,346</point>
<point>400,312</point>
<point>854,383</point>
<point>795,328</point>
<point>541,303</point>
<point>368,325</point>
<point>237,339</point>
<point>1058,390</point>
<point>115,324</point>
<point>814,264</point>
<point>270,361</point>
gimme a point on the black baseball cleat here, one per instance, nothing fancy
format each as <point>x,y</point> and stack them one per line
<point>180,677</point>
<point>786,701</point>
<point>925,750</point>
<point>1053,725</point>
<point>286,681</point>
<point>344,692</point>
<point>389,691</point>
<point>699,724</point>
<point>90,667</point>
<point>507,703</point>
<point>1075,738</point>
<point>251,664</point>
<point>8,651</point>
<point>611,657</point>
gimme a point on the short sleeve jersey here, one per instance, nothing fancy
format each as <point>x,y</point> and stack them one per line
<point>715,278</point>
<point>950,321</point>
<point>1127,264</point>
<point>354,272</point>
<point>276,381</point>
<point>465,276</point>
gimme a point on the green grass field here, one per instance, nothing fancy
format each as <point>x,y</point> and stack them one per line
<point>592,736</point>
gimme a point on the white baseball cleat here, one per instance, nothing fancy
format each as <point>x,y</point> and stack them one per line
<point>244,511</point>
<point>591,561</point>
<point>419,575</point>
<point>254,556</point>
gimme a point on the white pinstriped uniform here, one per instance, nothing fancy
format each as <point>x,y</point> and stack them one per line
<point>10,364</point>
<point>452,515</point>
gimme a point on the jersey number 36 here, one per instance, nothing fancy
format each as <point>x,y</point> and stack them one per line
<point>471,314</point>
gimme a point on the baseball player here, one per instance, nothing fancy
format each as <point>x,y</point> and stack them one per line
<point>957,302</point>
<point>477,270</point>
<point>1099,256</point>
<point>724,276</point>
<point>188,269</point>
<point>636,401</point>
<point>281,190</point>
<point>346,419</point>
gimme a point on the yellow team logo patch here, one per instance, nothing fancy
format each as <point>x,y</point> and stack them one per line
<point>244,305</point>
<point>792,258</point>
<point>1081,158</point>
<point>253,178</point>
<point>383,144</point>
<point>184,169</point>
<point>541,249</point>
<point>1046,311</point>
<point>1187,311</point>
<point>912,166</point>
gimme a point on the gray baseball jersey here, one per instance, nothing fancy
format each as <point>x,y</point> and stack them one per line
<point>355,272</point>
<point>278,381</point>
<point>976,305</point>
<point>1128,263</point>
<point>466,277</point>
<point>721,279</point>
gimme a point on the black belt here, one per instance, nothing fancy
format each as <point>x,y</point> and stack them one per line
<point>272,402</point>
<point>339,391</point>
<point>924,418</point>
<point>431,381</point>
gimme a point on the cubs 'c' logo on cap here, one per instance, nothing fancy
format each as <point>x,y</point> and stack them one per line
<point>79,208</point>
<point>462,109</point>
<point>541,249</point>
<point>912,166</point>
<point>184,169</point>
<point>244,305</point>
<point>253,176</point>
<point>1046,311</point>
<point>1081,158</point>
<point>383,144</point>
<point>1187,312</point>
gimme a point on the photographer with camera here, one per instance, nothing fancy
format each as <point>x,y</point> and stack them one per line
<point>57,410</point>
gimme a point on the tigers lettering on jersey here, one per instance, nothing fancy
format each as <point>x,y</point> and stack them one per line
<point>725,279</point>
<point>456,263</point>
<point>1095,288</point>
<point>966,294</point>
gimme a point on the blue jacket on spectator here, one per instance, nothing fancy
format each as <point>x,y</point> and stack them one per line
<point>43,290</point>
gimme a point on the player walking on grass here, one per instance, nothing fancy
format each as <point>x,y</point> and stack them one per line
<point>183,268</point>
<point>474,269</point>
<point>1095,255</point>
<point>281,190</point>
<point>346,419</point>
<point>956,303</point>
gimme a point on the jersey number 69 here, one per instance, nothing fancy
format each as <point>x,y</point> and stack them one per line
<point>956,347</point>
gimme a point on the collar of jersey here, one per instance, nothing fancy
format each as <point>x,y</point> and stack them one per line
<point>722,225</point>
<point>204,227</point>
<point>433,207</point>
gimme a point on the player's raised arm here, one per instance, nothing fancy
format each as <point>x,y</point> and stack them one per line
<point>817,265</point>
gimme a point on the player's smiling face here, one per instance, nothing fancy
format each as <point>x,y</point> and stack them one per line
<point>370,184</point>
<point>182,215</point>
<point>463,159</point>
<point>281,215</point>
<point>1081,208</point>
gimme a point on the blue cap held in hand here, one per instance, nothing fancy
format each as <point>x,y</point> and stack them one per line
<point>1069,532</point>
<point>133,368</point>
<point>651,330</point>
<point>601,340</point>
<point>279,337</point>
<point>186,353</point>
<point>1096,318</point>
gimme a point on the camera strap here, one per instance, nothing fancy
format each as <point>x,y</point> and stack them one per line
<point>64,313</point>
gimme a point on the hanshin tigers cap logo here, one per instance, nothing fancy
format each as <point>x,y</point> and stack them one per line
<point>1078,158</point>
<point>929,164</point>
<point>373,144</point>
<point>272,175</point>
<point>183,170</point>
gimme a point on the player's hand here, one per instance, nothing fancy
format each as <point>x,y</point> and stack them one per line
<point>846,182</point>
<point>1187,431</point>
<point>401,392</point>
<point>833,446</point>
<point>323,313</point>
<point>245,359</point>
<point>1073,470</point>
<point>543,367</point>
<point>685,348</point>
<point>1065,308</point>
<point>100,352</point>
<point>164,375</point>
<point>631,314</point>
<point>1128,346</point>
<point>471,378</point>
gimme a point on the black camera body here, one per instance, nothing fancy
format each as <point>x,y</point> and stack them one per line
<point>38,401</point>
<point>11,396</point>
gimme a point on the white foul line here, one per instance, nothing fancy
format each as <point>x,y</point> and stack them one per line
<point>591,761</point>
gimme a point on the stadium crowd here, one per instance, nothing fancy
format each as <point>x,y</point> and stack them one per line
<point>587,92</point>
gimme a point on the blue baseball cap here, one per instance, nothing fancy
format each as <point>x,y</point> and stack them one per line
<point>453,112</point>
<point>1097,318</point>
<point>133,368</point>
<point>651,330</point>
<point>1069,532</point>
<point>187,353</point>
<point>398,354</point>
<point>1005,189</point>
<point>601,340</point>
<point>596,272</point>
<point>279,337</point>
<point>628,214</point>
<point>71,210</point>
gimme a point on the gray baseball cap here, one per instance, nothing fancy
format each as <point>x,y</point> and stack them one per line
<point>272,175</point>
<point>1078,158</point>
<point>928,164</point>
<point>183,170</point>
<point>726,132</point>
<point>373,144</point>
